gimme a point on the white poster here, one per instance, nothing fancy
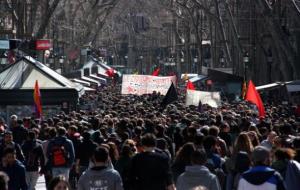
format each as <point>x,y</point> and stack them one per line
<point>211,98</point>
<point>146,84</point>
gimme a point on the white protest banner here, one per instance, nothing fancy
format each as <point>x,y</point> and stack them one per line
<point>146,84</point>
<point>193,97</point>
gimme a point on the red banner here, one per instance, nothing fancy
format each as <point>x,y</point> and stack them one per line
<point>43,45</point>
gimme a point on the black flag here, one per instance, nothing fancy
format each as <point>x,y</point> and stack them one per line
<point>170,97</point>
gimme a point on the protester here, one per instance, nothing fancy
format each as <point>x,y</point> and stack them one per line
<point>197,174</point>
<point>4,181</point>
<point>59,183</point>
<point>120,123</point>
<point>19,132</point>
<point>261,176</point>
<point>182,159</point>
<point>268,143</point>
<point>34,158</point>
<point>60,153</point>
<point>287,167</point>
<point>8,142</point>
<point>150,169</point>
<point>14,169</point>
<point>123,164</point>
<point>100,176</point>
<point>88,146</point>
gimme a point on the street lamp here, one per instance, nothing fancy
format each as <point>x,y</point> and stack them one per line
<point>246,62</point>
<point>61,62</point>
<point>141,60</point>
<point>182,60</point>
<point>270,61</point>
<point>195,63</point>
<point>222,62</point>
<point>126,59</point>
<point>51,61</point>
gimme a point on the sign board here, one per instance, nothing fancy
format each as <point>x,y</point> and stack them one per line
<point>193,97</point>
<point>146,84</point>
<point>43,45</point>
<point>4,44</point>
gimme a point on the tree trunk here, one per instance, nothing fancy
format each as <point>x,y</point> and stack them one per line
<point>288,63</point>
<point>223,33</point>
<point>46,18</point>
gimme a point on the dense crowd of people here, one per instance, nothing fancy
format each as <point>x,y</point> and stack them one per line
<point>129,142</point>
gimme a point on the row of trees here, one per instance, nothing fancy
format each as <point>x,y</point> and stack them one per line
<point>142,32</point>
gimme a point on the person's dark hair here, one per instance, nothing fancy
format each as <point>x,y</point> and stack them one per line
<point>209,142</point>
<point>204,131</point>
<point>198,140</point>
<point>86,135</point>
<point>126,151</point>
<point>148,140</point>
<point>61,131</point>
<point>296,143</point>
<point>9,151</point>
<point>31,135</point>
<point>199,157</point>
<point>4,181</point>
<point>213,131</point>
<point>138,130</point>
<point>284,154</point>
<point>52,132</point>
<point>101,154</point>
<point>183,155</point>
<point>73,128</point>
<point>53,183</point>
<point>162,144</point>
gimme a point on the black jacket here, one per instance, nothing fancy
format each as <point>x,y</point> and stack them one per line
<point>16,174</point>
<point>88,147</point>
<point>34,156</point>
<point>149,171</point>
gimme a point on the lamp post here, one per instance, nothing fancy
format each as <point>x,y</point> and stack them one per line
<point>246,62</point>
<point>61,63</point>
<point>270,61</point>
<point>141,60</point>
<point>195,63</point>
<point>126,60</point>
<point>222,62</point>
<point>51,61</point>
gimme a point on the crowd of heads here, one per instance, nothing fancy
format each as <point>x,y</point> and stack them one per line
<point>123,125</point>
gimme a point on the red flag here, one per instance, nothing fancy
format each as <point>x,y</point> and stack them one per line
<point>254,97</point>
<point>156,72</point>
<point>190,85</point>
<point>37,100</point>
<point>110,73</point>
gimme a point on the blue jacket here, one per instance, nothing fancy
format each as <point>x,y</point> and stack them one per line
<point>68,145</point>
<point>16,174</point>
<point>261,178</point>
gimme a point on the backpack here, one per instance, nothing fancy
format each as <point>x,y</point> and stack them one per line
<point>59,155</point>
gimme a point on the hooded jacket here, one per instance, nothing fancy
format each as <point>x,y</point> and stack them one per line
<point>261,178</point>
<point>68,145</point>
<point>100,178</point>
<point>195,176</point>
